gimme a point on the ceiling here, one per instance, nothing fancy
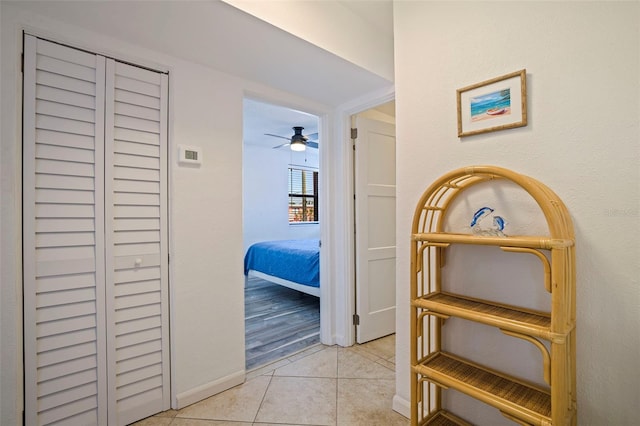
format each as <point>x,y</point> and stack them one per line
<point>200,32</point>
<point>261,118</point>
<point>217,35</point>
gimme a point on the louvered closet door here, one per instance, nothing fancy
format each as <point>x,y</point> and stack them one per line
<point>64,279</point>
<point>94,239</point>
<point>136,228</point>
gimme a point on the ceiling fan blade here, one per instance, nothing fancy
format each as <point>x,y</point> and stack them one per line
<point>277,136</point>
<point>308,143</point>
<point>280,146</point>
<point>309,140</point>
<point>312,136</point>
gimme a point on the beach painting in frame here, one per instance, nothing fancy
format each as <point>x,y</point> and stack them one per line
<point>496,104</point>
<point>491,106</point>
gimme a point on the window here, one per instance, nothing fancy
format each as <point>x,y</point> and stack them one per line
<point>303,195</point>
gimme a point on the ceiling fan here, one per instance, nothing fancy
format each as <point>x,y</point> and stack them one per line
<point>297,142</point>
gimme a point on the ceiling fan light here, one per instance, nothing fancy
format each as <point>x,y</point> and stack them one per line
<point>298,145</point>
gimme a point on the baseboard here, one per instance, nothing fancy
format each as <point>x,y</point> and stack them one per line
<point>340,340</point>
<point>194,395</point>
<point>402,406</point>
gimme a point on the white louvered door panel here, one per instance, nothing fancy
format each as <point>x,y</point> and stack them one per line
<point>136,229</point>
<point>63,214</point>
<point>95,238</point>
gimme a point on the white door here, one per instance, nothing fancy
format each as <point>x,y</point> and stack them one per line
<point>375,211</point>
<point>95,323</point>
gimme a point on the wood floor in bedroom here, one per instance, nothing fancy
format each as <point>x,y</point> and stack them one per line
<point>279,321</point>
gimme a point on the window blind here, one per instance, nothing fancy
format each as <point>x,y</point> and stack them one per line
<point>303,195</point>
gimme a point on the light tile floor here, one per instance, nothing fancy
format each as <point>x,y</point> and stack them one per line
<point>322,385</point>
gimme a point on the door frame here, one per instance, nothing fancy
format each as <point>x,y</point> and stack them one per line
<point>343,225</point>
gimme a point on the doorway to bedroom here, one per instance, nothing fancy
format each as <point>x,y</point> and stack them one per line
<point>281,231</point>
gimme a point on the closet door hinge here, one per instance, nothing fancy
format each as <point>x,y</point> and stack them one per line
<point>22,63</point>
<point>356,319</point>
<point>354,133</point>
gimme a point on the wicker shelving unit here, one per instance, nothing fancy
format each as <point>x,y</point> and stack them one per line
<point>433,369</point>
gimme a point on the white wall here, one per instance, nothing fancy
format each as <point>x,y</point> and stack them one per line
<point>265,193</point>
<point>206,280</point>
<point>582,140</point>
<point>205,203</point>
<point>10,229</point>
<point>331,26</point>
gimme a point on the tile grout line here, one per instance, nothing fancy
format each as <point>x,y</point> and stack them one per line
<point>378,357</point>
<point>337,400</point>
<point>255,417</point>
<point>337,372</point>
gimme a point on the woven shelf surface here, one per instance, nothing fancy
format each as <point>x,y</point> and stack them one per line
<point>482,311</point>
<point>496,390</point>
<point>444,418</point>
<point>511,241</point>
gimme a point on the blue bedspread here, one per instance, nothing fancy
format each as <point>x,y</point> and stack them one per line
<point>293,260</point>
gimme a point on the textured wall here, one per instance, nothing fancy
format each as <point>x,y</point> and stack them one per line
<point>581,140</point>
<point>206,280</point>
<point>265,193</point>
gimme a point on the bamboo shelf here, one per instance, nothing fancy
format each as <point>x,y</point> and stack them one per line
<point>444,418</point>
<point>505,317</point>
<point>527,242</point>
<point>434,369</point>
<point>508,394</point>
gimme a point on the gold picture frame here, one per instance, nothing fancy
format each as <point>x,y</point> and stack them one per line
<point>496,104</point>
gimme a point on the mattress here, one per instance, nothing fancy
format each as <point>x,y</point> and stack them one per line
<point>293,260</point>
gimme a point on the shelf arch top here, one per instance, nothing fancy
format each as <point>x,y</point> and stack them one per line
<point>431,209</point>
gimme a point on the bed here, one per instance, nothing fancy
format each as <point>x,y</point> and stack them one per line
<point>290,263</point>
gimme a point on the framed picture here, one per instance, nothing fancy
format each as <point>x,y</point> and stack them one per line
<point>496,104</point>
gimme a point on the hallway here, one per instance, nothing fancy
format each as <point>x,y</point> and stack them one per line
<point>322,385</point>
